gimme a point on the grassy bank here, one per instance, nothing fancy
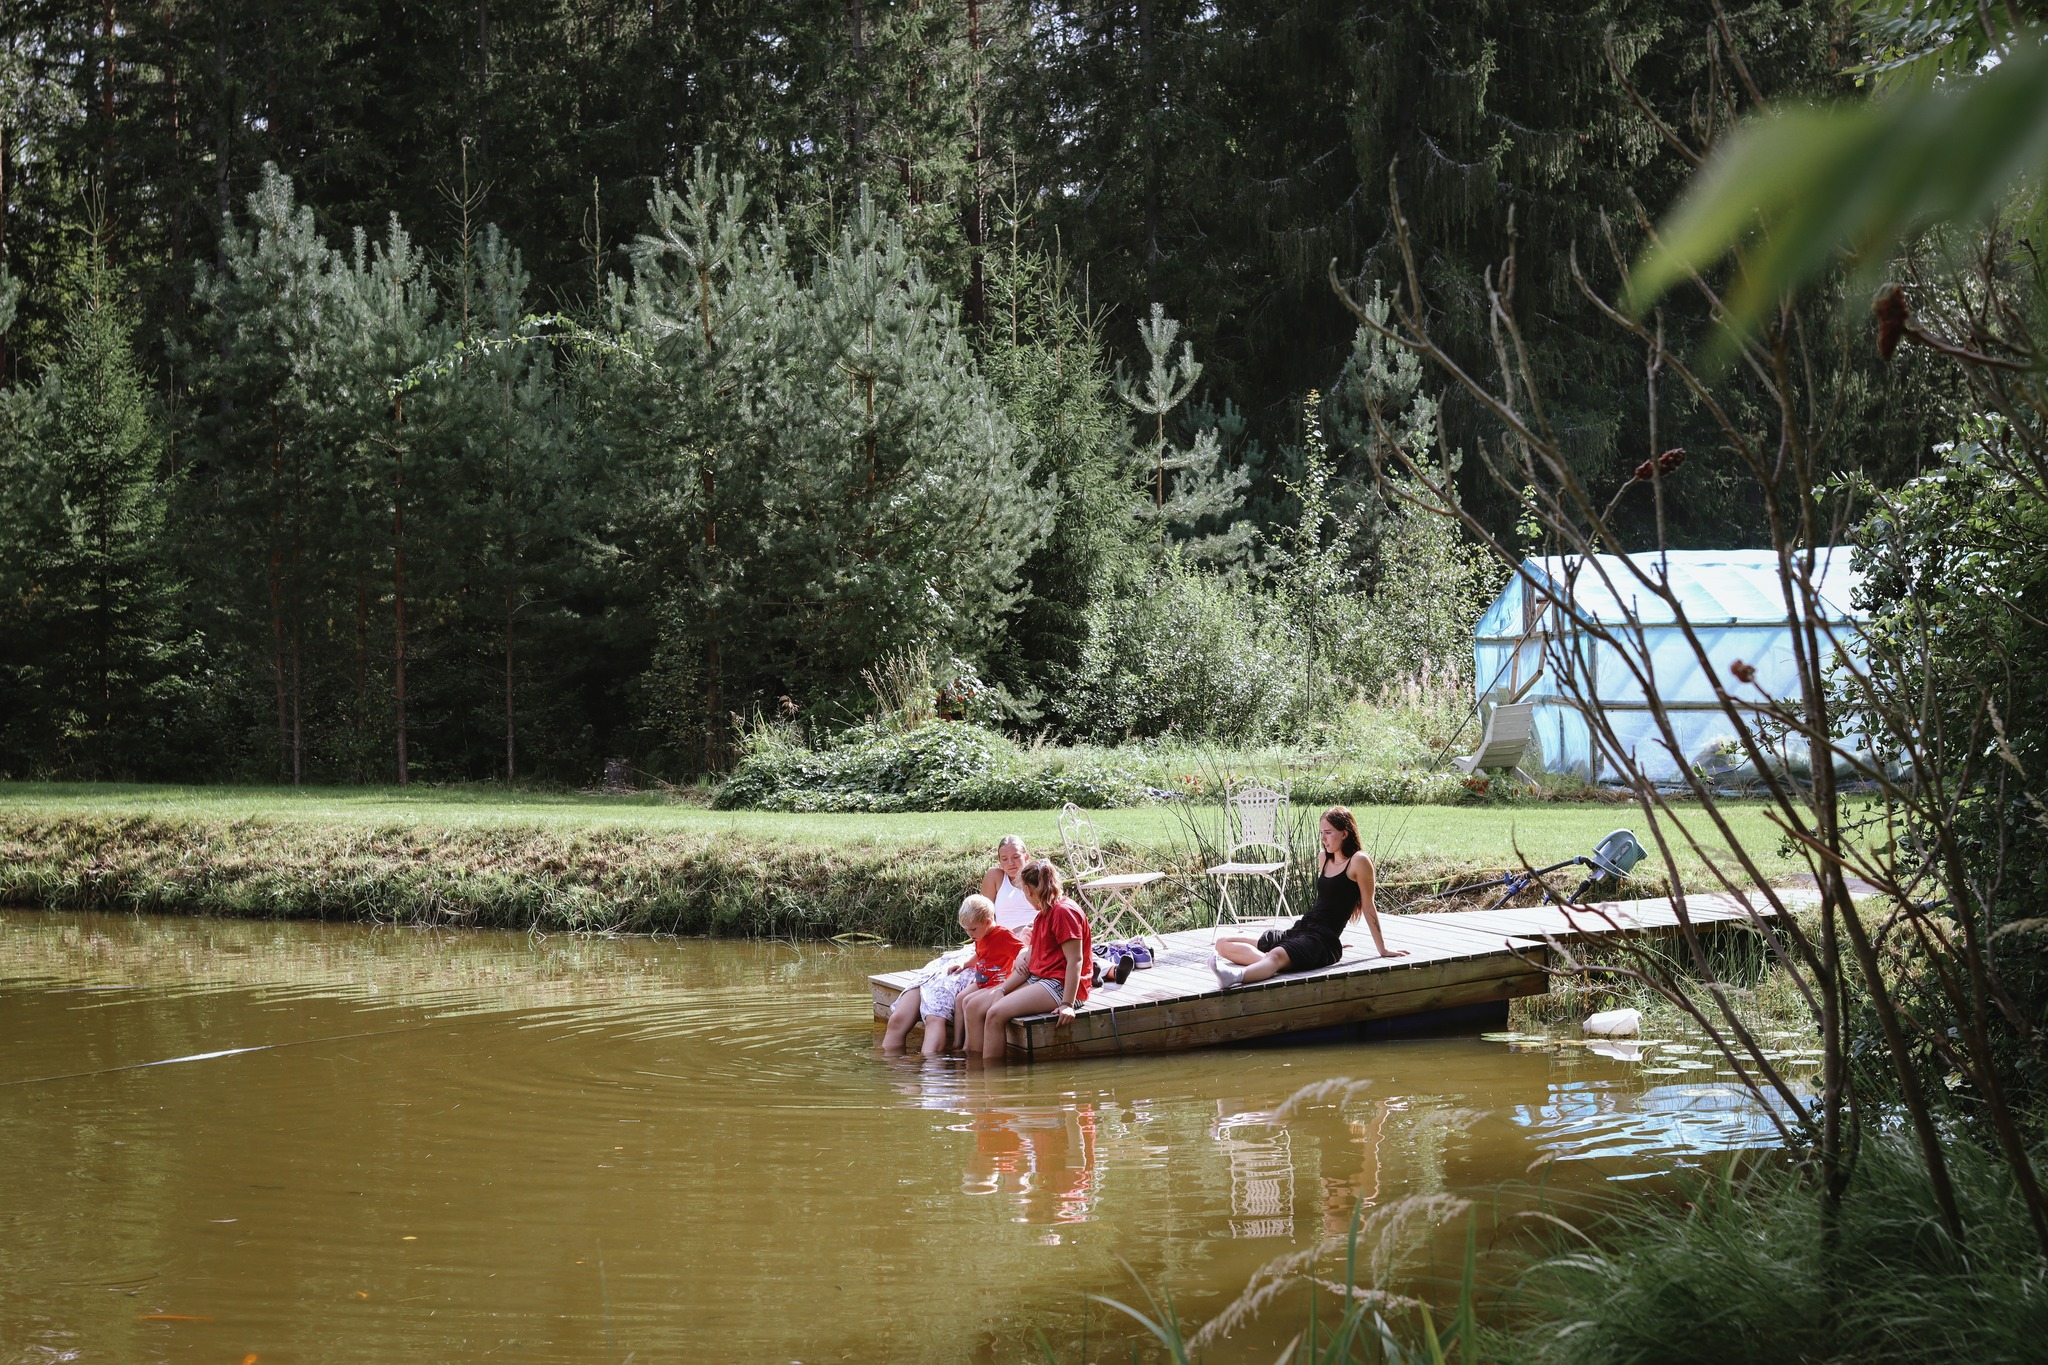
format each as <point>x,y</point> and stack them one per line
<point>641,864</point>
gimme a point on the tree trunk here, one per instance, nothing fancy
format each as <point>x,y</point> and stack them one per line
<point>974,214</point>
<point>362,677</point>
<point>483,91</point>
<point>106,95</point>
<point>713,750</point>
<point>858,116</point>
<point>284,738</point>
<point>298,732</point>
<point>1150,132</point>
<point>3,236</point>
<point>298,620</point>
<point>221,146</point>
<point>398,586</point>
<point>510,734</point>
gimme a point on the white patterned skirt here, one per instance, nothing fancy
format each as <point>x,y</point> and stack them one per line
<point>937,997</point>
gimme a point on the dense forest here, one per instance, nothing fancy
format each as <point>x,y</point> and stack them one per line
<point>408,391</point>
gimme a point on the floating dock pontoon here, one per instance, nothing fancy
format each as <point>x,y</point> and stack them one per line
<point>1459,963</point>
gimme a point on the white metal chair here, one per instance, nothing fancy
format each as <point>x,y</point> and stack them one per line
<point>1254,823</point>
<point>1109,896</point>
<point>1509,730</point>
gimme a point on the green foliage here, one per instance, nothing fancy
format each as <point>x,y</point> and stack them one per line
<point>85,600</point>
<point>1754,1269</point>
<point>1190,654</point>
<point>1861,178</point>
<point>1192,487</point>
<point>1310,565</point>
<point>944,765</point>
<point>840,480</point>
<point>1044,361</point>
<point>1951,588</point>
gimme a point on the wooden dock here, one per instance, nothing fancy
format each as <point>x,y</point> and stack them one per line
<point>1454,959</point>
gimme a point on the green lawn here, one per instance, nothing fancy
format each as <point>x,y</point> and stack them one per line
<point>1407,838</point>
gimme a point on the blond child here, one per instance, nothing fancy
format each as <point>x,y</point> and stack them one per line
<point>995,948</point>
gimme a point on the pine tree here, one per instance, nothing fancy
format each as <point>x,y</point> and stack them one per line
<point>1192,490</point>
<point>404,433</point>
<point>277,399</point>
<point>843,482</point>
<point>518,510</point>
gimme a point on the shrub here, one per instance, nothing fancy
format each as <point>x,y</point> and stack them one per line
<point>943,765</point>
<point>1197,656</point>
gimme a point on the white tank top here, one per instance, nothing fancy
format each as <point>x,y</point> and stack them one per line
<point>1014,910</point>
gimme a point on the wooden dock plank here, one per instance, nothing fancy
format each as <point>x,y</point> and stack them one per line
<point>1456,957</point>
<point>1283,1005</point>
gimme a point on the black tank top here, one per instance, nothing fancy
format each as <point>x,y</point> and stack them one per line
<point>1336,898</point>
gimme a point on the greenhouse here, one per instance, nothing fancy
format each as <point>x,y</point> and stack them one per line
<point>1734,599</point>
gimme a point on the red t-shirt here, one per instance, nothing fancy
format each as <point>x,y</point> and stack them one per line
<point>994,954</point>
<point>1054,926</point>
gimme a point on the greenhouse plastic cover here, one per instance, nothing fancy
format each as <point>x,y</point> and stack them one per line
<point>1735,601</point>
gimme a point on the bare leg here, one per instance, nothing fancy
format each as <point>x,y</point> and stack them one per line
<point>1029,998</point>
<point>1239,948</point>
<point>1251,964</point>
<point>935,1035</point>
<point>970,1011</point>
<point>902,1015</point>
<point>1267,965</point>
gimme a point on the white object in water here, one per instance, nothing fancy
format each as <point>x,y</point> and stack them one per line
<point>1613,1024</point>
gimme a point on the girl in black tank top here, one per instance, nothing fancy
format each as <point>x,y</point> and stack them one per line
<point>1315,940</point>
<point>1336,901</point>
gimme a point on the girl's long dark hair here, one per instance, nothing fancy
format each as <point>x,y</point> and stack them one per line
<point>1342,820</point>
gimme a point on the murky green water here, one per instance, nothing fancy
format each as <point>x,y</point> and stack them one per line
<point>310,1143</point>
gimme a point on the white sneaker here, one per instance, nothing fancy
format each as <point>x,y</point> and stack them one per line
<point>1227,975</point>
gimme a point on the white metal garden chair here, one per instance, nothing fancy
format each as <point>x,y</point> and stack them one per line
<point>1109,896</point>
<point>1255,824</point>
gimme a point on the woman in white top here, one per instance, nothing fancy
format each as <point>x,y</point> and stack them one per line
<point>1014,912</point>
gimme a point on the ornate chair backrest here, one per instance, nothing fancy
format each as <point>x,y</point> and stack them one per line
<point>1257,817</point>
<point>1084,846</point>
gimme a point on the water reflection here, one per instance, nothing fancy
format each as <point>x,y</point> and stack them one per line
<point>379,1145</point>
<point>1584,1120</point>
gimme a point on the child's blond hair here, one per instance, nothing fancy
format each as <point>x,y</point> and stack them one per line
<point>977,909</point>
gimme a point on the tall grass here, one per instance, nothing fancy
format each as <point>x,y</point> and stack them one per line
<point>1740,1266</point>
<point>1373,1320</point>
<point>1750,1268</point>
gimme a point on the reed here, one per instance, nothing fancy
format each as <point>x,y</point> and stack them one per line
<point>1749,1266</point>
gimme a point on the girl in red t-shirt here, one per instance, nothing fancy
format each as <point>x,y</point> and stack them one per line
<point>1053,973</point>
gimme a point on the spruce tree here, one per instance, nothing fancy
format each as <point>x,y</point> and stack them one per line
<point>90,600</point>
<point>1045,361</point>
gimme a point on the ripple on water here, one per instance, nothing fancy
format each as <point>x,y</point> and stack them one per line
<point>1582,1120</point>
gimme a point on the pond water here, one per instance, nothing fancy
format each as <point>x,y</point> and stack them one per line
<point>227,1141</point>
